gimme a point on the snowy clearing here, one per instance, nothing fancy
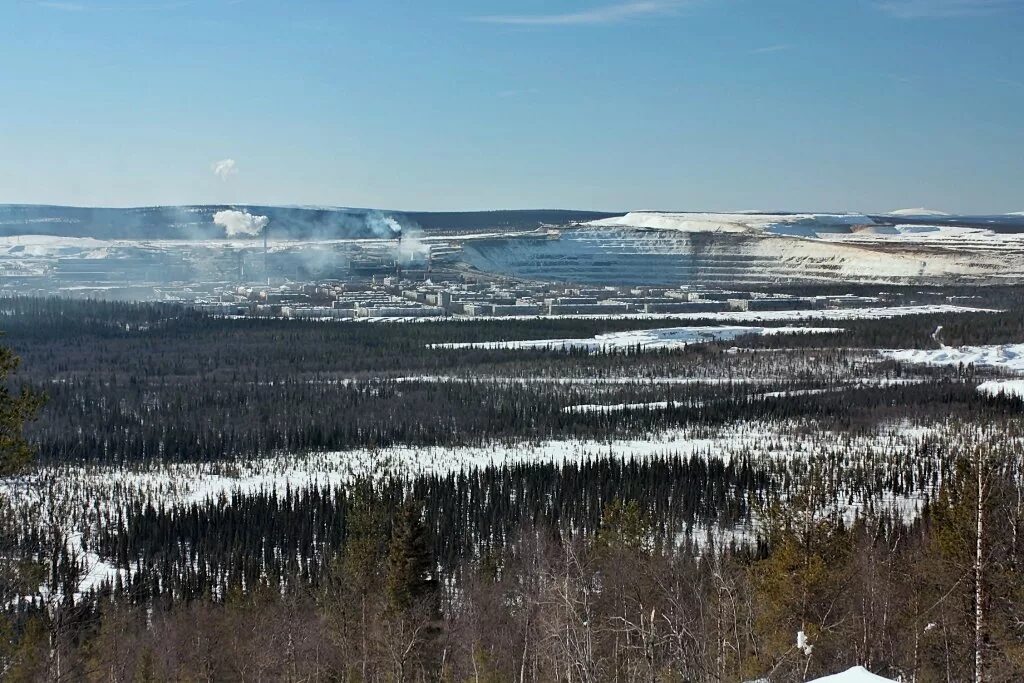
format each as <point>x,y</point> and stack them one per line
<point>1009,357</point>
<point>649,340</point>
<point>1007,387</point>
<point>803,315</point>
<point>197,483</point>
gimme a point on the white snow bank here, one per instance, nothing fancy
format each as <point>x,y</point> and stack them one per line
<point>944,235</point>
<point>857,674</point>
<point>663,338</point>
<point>1005,356</point>
<point>804,315</point>
<point>1003,387</point>
<point>663,405</point>
<point>50,240</point>
<point>616,407</point>
<point>41,246</point>
<point>1009,357</point>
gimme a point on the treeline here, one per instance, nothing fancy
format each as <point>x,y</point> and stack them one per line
<point>164,549</point>
<point>601,601</point>
<point>58,323</point>
<point>178,421</point>
<point>175,552</point>
<point>142,382</point>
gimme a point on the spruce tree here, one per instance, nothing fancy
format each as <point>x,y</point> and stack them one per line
<point>410,566</point>
<point>15,453</point>
<point>16,408</point>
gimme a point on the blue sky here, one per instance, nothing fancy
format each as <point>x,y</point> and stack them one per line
<point>670,104</point>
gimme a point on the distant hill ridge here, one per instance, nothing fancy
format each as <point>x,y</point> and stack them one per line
<point>299,222</point>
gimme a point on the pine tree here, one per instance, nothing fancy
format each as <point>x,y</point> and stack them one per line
<point>410,566</point>
<point>15,453</point>
<point>15,410</point>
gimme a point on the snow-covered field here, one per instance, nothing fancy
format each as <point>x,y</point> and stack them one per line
<point>648,340</point>
<point>1005,357</point>
<point>77,498</point>
<point>1009,357</point>
<point>1003,387</point>
<point>804,315</point>
<point>196,483</point>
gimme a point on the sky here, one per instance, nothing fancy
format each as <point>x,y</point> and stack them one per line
<point>852,105</point>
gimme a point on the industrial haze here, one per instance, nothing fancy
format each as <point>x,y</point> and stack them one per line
<point>221,256</point>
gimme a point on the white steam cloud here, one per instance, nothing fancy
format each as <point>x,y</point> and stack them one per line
<point>411,248</point>
<point>240,222</point>
<point>225,168</point>
<point>383,225</point>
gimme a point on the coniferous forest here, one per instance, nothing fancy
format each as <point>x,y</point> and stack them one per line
<point>187,497</point>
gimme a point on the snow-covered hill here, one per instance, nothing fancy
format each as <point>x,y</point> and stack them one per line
<point>641,248</point>
<point>917,212</point>
<point>799,224</point>
<point>674,248</point>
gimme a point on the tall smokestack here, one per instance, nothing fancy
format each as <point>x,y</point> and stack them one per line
<point>398,257</point>
<point>266,253</point>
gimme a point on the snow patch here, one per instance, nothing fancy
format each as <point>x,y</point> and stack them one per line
<point>857,674</point>
<point>647,340</point>
<point>1008,357</point>
<point>1003,387</point>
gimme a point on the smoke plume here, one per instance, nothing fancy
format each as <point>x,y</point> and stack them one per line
<point>237,223</point>
<point>224,169</point>
<point>384,225</point>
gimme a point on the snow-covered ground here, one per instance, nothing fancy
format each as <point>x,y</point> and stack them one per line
<point>196,483</point>
<point>804,315</point>
<point>802,224</point>
<point>1003,387</point>
<point>77,498</point>
<point>857,674</point>
<point>648,340</point>
<point>947,237</point>
<point>1006,357</point>
<point>851,228</point>
<point>665,405</point>
<point>917,212</point>
<point>1009,357</point>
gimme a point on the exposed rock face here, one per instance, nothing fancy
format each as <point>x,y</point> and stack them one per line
<point>699,250</point>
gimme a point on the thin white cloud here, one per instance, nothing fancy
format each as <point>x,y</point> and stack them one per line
<point>225,168</point>
<point>64,6</point>
<point>768,49</point>
<point>938,9</point>
<point>523,92</point>
<point>607,14</point>
<point>68,6</point>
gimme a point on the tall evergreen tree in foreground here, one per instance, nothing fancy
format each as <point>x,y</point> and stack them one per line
<point>16,408</point>
<point>410,567</point>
